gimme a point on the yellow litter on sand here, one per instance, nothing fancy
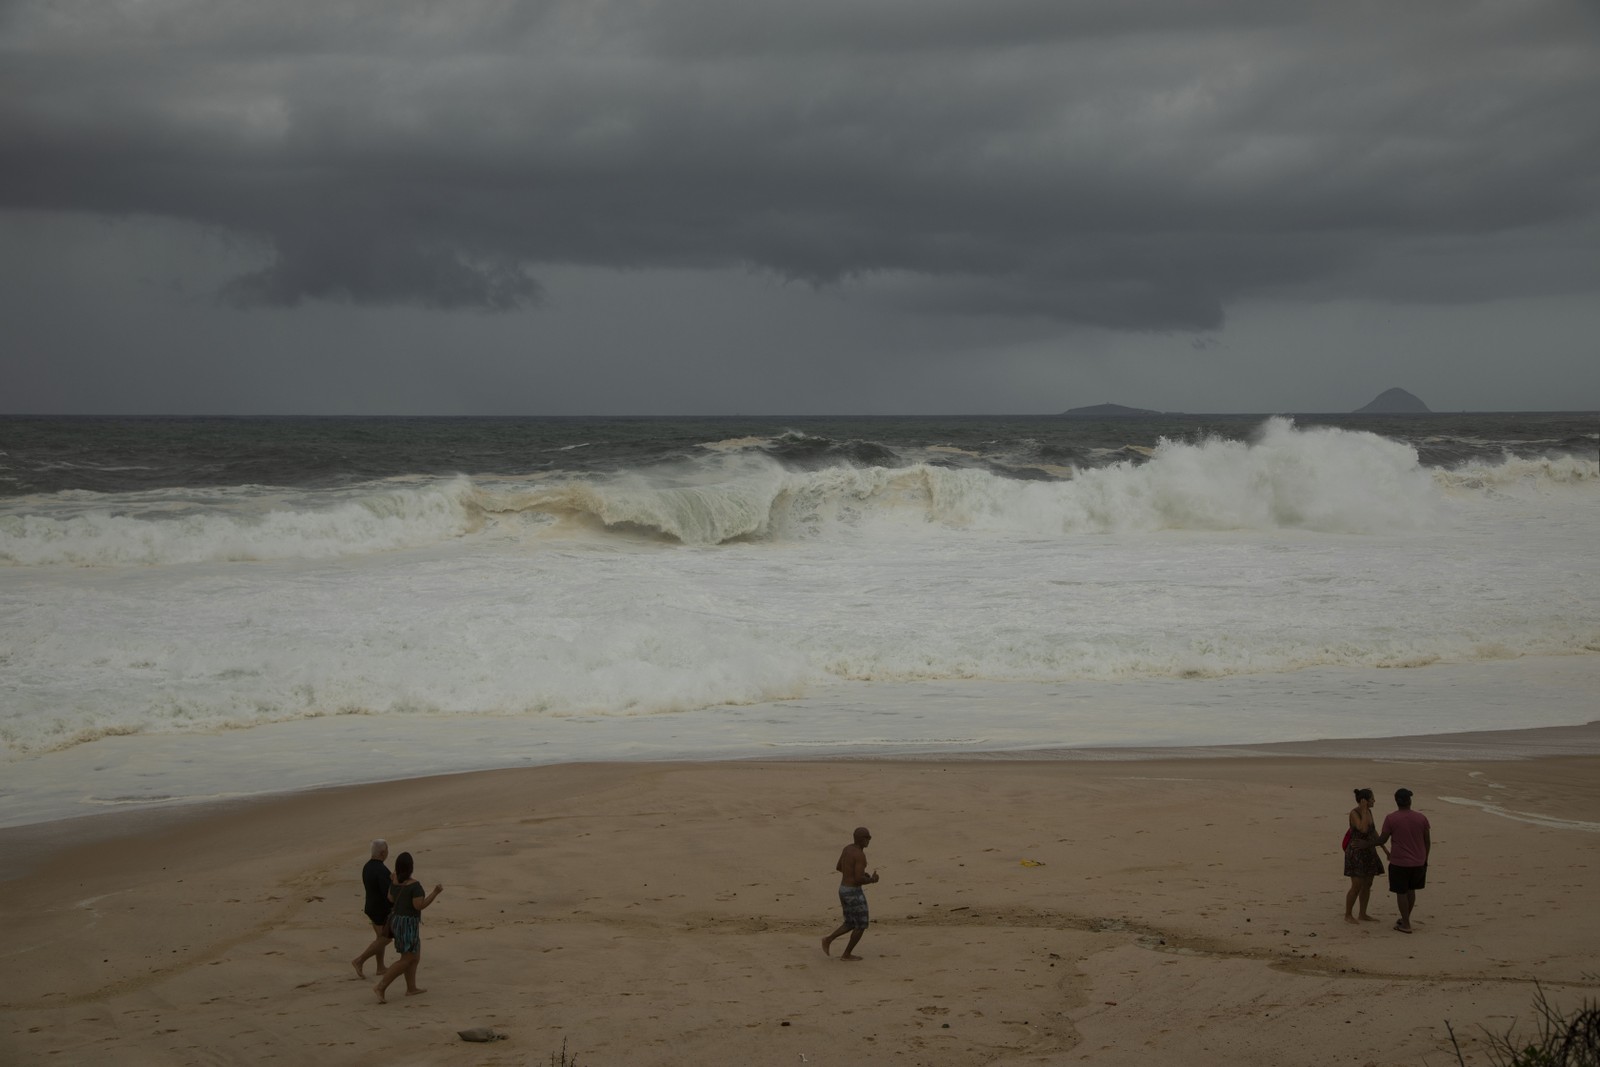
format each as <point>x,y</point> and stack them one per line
<point>1032,863</point>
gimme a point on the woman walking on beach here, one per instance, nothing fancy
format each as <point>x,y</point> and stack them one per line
<point>1361,862</point>
<point>406,922</point>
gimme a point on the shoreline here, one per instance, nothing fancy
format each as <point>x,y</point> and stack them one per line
<point>25,843</point>
<point>1031,911</point>
<point>1399,711</point>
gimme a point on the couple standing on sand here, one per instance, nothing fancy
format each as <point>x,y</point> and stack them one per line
<point>1409,834</point>
<point>394,907</point>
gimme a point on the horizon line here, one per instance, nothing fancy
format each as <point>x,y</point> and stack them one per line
<point>1070,414</point>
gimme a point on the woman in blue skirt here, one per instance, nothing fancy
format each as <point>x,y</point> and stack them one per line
<point>406,923</point>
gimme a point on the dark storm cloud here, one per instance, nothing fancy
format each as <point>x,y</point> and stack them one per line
<point>1136,166</point>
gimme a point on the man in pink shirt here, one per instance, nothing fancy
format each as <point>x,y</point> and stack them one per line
<point>1406,833</point>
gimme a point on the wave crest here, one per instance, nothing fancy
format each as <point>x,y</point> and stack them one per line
<point>1320,479</point>
<point>146,532</point>
<point>1521,472</point>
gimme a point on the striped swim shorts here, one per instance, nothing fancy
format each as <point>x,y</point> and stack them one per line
<point>853,900</point>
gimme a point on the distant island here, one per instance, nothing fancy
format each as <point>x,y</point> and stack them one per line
<point>1394,402</point>
<point>1389,402</point>
<point>1107,411</point>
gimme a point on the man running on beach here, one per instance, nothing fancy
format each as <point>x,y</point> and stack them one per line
<point>1408,855</point>
<point>852,868</point>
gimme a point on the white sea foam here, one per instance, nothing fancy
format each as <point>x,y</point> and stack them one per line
<point>88,529</point>
<point>1533,817</point>
<point>733,582</point>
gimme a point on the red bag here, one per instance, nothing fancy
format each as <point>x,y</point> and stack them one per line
<point>1345,844</point>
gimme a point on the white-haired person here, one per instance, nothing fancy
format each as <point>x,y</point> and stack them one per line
<point>375,880</point>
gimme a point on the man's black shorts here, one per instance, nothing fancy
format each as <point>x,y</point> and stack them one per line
<point>1405,879</point>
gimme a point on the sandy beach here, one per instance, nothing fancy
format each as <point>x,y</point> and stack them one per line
<point>1159,909</point>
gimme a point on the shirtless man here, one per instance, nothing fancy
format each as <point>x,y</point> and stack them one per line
<point>852,868</point>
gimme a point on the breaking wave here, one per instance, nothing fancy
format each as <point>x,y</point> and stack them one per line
<point>1324,480</point>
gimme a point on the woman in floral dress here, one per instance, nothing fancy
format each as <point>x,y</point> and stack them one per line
<point>1361,862</point>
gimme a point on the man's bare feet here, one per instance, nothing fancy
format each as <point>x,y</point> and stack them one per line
<point>1402,929</point>
<point>849,959</point>
<point>827,946</point>
<point>357,966</point>
<point>1350,920</point>
<point>1368,919</point>
<point>378,989</point>
<point>415,992</point>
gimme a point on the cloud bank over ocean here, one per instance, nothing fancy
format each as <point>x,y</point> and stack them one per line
<point>1086,162</point>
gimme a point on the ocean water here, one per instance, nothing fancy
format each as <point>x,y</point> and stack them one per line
<point>192,608</point>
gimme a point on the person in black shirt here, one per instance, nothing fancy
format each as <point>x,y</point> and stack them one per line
<point>376,880</point>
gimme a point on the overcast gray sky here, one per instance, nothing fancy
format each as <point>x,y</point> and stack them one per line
<point>829,206</point>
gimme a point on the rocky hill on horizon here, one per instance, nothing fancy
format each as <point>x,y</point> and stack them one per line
<point>1107,411</point>
<point>1394,402</point>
